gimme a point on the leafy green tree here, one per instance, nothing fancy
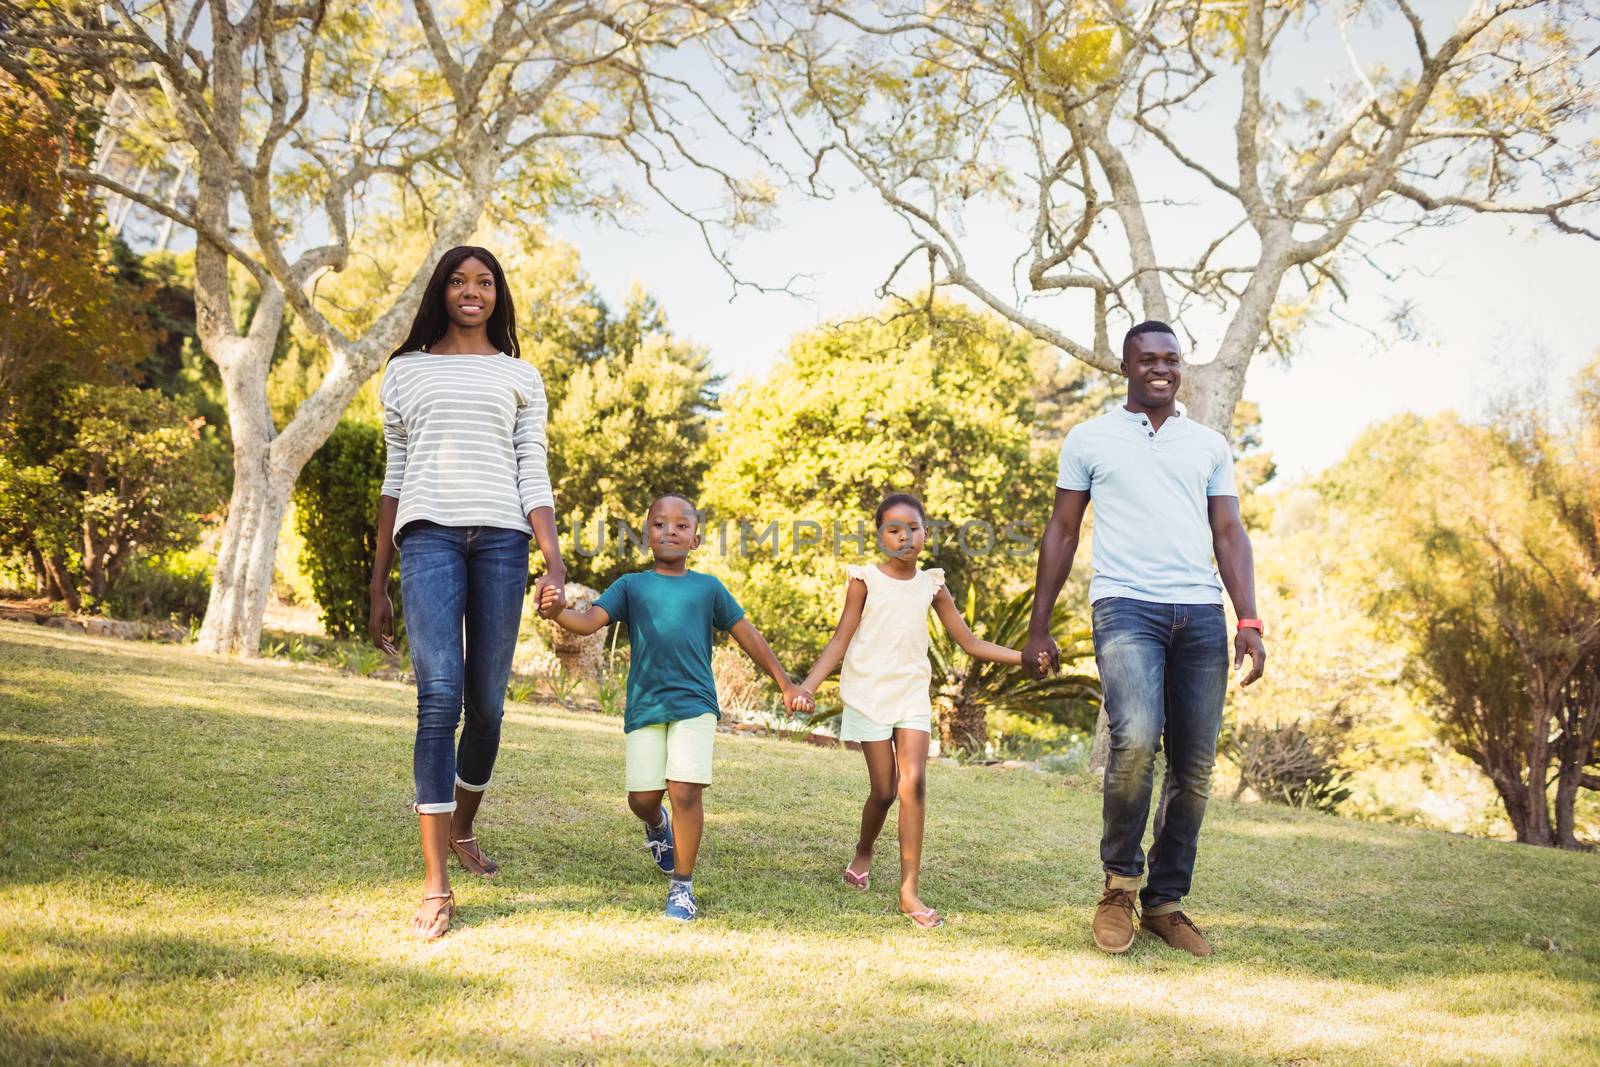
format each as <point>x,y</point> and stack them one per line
<point>1488,540</point>
<point>146,475</point>
<point>937,403</point>
<point>630,424</point>
<point>130,481</point>
<point>64,312</point>
<point>37,521</point>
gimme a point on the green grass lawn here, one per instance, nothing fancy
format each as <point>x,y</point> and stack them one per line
<point>213,862</point>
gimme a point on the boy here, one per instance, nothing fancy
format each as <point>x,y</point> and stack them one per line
<point>671,721</point>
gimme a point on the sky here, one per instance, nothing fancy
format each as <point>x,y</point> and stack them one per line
<point>1495,298</point>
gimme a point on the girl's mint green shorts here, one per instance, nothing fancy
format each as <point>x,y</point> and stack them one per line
<point>854,726</point>
<point>678,752</point>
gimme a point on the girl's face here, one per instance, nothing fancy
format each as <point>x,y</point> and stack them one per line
<point>469,294</point>
<point>903,533</point>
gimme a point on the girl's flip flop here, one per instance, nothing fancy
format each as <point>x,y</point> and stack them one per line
<point>857,881</point>
<point>922,918</point>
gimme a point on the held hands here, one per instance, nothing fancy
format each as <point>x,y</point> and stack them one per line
<point>1247,642</point>
<point>799,701</point>
<point>549,594</point>
<point>1040,656</point>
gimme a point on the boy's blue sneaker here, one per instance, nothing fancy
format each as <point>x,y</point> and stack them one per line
<point>680,902</point>
<point>659,841</point>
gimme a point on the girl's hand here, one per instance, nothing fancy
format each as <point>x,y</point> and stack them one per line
<point>380,621</point>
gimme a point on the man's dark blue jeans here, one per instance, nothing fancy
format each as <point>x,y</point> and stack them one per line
<point>1164,668</point>
<point>463,589</point>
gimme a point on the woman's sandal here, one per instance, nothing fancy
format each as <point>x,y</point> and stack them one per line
<point>441,918</point>
<point>927,918</point>
<point>473,860</point>
<point>857,881</point>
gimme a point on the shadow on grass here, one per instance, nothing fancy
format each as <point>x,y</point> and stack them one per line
<point>245,779</point>
<point>97,992</point>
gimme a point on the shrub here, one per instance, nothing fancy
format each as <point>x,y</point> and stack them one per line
<point>336,512</point>
<point>1291,763</point>
<point>161,588</point>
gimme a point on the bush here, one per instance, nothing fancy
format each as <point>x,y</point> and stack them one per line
<point>336,512</point>
<point>161,588</point>
<point>1291,763</point>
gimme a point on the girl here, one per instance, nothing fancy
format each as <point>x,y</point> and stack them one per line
<point>465,486</point>
<point>882,640</point>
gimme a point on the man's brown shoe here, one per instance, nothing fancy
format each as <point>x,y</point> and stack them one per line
<point>1176,929</point>
<point>1113,921</point>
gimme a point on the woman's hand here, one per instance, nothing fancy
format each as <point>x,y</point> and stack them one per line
<point>550,593</point>
<point>380,620</point>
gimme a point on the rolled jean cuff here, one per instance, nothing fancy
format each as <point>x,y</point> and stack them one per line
<point>1123,881</point>
<point>1162,909</point>
<point>435,809</point>
<point>469,787</point>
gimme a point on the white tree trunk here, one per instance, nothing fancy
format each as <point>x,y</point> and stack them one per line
<point>243,577</point>
<point>266,466</point>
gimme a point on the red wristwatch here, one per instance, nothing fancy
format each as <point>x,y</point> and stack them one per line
<point>1252,624</point>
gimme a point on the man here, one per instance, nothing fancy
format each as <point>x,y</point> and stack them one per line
<point>1164,503</point>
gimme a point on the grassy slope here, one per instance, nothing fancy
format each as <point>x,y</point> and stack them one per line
<point>213,862</point>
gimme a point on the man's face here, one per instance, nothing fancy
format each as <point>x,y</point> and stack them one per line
<point>673,529</point>
<point>1154,368</point>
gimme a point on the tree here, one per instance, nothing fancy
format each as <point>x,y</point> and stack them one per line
<point>1489,536</point>
<point>630,424</point>
<point>145,477</point>
<point>129,479</point>
<point>301,123</point>
<point>1071,116</point>
<point>63,313</point>
<point>937,404</point>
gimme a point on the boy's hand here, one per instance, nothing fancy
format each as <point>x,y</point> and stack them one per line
<point>799,701</point>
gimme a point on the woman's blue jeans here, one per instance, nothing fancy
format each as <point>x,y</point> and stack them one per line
<point>1164,668</point>
<point>462,588</point>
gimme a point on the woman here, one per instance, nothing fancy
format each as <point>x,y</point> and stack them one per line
<point>465,486</point>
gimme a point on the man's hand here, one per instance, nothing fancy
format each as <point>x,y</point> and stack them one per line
<point>380,620</point>
<point>550,594</point>
<point>1247,642</point>
<point>1040,656</point>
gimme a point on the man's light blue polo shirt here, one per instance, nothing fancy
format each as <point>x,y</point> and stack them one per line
<point>1148,488</point>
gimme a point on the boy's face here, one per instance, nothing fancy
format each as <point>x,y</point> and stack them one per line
<point>674,529</point>
<point>902,534</point>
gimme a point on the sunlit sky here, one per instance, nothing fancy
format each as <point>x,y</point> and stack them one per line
<point>1494,296</point>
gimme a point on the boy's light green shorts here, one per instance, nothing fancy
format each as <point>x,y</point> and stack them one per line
<point>679,752</point>
<point>854,726</point>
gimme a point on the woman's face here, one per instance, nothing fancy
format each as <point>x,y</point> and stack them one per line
<point>469,293</point>
<point>903,533</point>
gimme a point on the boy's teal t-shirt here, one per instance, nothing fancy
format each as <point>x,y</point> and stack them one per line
<point>670,619</point>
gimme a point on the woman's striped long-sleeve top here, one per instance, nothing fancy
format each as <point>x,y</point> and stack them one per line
<point>466,440</point>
